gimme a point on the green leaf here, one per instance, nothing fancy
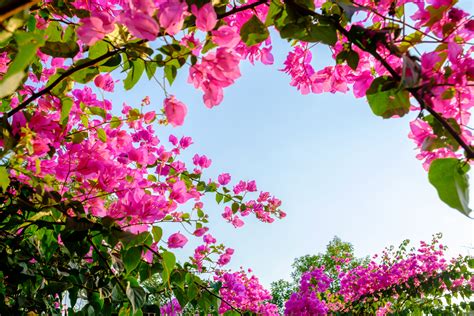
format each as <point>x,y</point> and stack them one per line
<point>54,31</point>
<point>63,86</point>
<point>27,46</point>
<point>85,75</point>
<point>115,122</point>
<point>235,207</point>
<point>66,105</point>
<point>219,197</point>
<point>443,137</point>
<point>98,49</point>
<point>306,30</point>
<point>9,85</point>
<point>101,134</point>
<point>253,31</point>
<point>111,63</point>
<point>4,179</point>
<point>27,43</point>
<point>449,177</point>
<point>325,34</point>
<point>386,99</point>
<point>169,261</point>
<point>349,56</point>
<point>348,8</point>
<point>136,295</point>
<point>157,233</point>
<point>131,258</point>
<point>134,74</point>
<point>150,68</point>
<point>409,41</point>
<point>352,59</point>
<point>98,111</point>
<point>275,10</point>
<point>60,49</point>
<point>171,72</point>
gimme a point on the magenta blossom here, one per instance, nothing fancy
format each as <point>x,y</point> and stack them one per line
<point>177,240</point>
<point>223,178</point>
<point>175,111</point>
<point>104,82</point>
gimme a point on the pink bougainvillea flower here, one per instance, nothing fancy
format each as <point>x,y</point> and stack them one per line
<point>177,240</point>
<point>226,36</point>
<point>175,111</point>
<point>218,70</point>
<point>206,17</point>
<point>141,25</point>
<point>105,82</point>
<point>223,178</point>
<point>224,259</point>
<point>95,28</point>
<point>237,222</point>
<point>200,231</point>
<point>4,60</point>
<point>171,15</point>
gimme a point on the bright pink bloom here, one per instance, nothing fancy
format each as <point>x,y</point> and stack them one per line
<point>171,15</point>
<point>105,82</point>
<point>141,25</point>
<point>173,140</point>
<point>175,111</point>
<point>206,17</point>
<point>4,60</point>
<point>237,222</point>
<point>217,70</point>
<point>226,36</point>
<point>200,231</point>
<point>223,178</point>
<point>95,28</point>
<point>208,239</point>
<point>177,240</point>
<point>149,116</point>
<point>224,259</point>
<point>202,161</point>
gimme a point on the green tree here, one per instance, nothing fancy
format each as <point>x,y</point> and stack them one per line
<point>338,254</point>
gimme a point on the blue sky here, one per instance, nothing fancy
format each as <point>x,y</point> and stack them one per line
<point>338,169</point>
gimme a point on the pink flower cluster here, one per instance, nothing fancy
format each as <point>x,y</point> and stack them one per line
<point>172,308</point>
<point>217,70</point>
<point>264,207</point>
<point>244,293</point>
<point>306,302</point>
<point>412,271</point>
<point>362,281</point>
<point>116,166</point>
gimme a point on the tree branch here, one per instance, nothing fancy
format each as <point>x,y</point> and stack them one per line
<point>71,70</point>
<point>415,92</point>
<point>242,8</point>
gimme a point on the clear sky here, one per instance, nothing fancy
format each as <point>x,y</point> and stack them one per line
<point>338,169</point>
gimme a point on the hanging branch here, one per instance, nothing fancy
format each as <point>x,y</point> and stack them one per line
<point>415,92</point>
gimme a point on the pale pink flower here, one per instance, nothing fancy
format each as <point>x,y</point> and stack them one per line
<point>206,17</point>
<point>226,36</point>
<point>95,28</point>
<point>141,25</point>
<point>171,15</point>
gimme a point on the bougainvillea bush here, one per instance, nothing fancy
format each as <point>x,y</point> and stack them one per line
<point>94,200</point>
<point>400,281</point>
